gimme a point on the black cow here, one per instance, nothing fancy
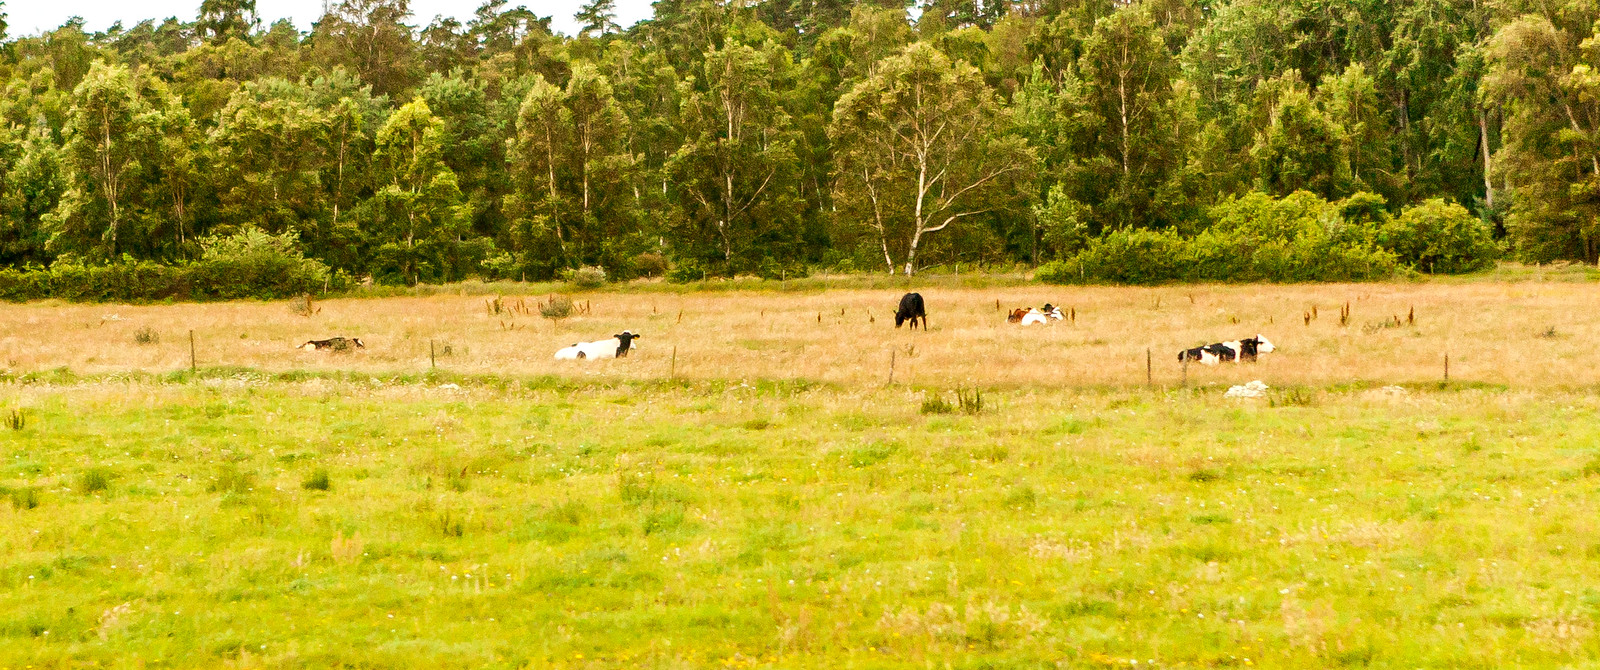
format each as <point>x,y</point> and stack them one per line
<point>911,309</point>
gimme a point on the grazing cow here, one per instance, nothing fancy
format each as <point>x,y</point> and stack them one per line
<point>334,343</point>
<point>617,347</point>
<point>1016,315</point>
<point>911,309</point>
<point>1245,350</point>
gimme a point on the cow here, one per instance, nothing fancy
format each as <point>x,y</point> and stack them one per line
<point>1031,315</point>
<point>911,309</point>
<point>617,347</point>
<point>334,343</point>
<point>1246,350</point>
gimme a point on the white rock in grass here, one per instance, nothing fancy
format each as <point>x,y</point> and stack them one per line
<point>1255,389</point>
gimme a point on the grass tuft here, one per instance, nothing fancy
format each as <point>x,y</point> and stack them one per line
<point>146,336</point>
<point>318,480</point>
<point>94,480</point>
<point>230,479</point>
<point>16,419</point>
<point>935,404</point>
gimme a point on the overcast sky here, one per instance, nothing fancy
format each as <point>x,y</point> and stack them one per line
<point>28,17</point>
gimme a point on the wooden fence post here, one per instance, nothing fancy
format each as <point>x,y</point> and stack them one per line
<point>192,365</point>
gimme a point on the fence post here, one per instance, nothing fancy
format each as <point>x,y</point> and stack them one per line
<point>433,360</point>
<point>891,367</point>
<point>1149,376</point>
<point>1185,372</point>
<point>673,374</point>
<point>1447,367</point>
<point>192,365</point>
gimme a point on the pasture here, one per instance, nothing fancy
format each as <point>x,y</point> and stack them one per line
<point>767,498</point>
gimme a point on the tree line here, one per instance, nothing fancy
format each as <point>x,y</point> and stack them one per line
<point>720,138</point>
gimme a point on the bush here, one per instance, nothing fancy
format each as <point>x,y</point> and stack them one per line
<point>1298,238</point>
<point>586,277</point>
<point>249,264</point>
<point>686,271</point>
<point>650,265</point>
<point>1440,238</point>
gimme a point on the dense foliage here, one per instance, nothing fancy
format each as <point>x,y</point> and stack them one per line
<point>1147,141</point>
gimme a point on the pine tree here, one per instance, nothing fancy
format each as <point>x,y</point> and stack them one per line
<point>599,18</point>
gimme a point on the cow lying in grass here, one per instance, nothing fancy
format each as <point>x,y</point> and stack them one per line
<point>334,343</point>
<point>1245,350</point>
<point>1030,316</point>
<point>617,347</point>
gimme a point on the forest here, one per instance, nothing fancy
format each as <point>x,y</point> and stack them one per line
<point>1095,140</point>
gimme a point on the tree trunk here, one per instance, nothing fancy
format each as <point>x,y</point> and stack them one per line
<point>1488,167</point>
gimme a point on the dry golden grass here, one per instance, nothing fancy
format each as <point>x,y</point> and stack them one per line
<point>1493,332</point>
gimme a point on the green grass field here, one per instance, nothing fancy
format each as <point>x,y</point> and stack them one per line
<point>255,521</point>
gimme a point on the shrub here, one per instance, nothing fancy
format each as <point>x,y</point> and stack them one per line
<point>1298,238</point>
<point>650,265</point>
<point>686,271</point>
<point>248,264</point>
<point>1440,237</point>
<point>559,307</point>
<point>586,277</point>
<point>146,335</point>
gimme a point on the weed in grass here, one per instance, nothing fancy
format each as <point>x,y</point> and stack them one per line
<point>758,424</point>
<point>969,400</point>
<point>456,480</point>
<point>1548,333</point>
<point>24,498</point>
<point>1203,476</point>
<point>449,525</point>
<point>935,404</point>
<point>1021,497</point>
<point>991,453</point>
<point>230,479</point>
<point>94,480</point>
<point>1292,396</point>
<point>146,335</point>
<point>346,550</point>
<point>318,480</point>
<point>1592,468</point>
<point>16,419</point>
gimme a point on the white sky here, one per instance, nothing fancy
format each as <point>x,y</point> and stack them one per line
<point>28,17</point>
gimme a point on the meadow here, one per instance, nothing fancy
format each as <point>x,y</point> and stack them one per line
<point>770,499</point>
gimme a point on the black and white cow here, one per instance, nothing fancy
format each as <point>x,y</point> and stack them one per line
<point>1245,350</point>
<point>334,343</point>
<point>617,347</point>
<point>911,309</point>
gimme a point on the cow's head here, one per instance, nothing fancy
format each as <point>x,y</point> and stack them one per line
<point>1262,345</point>
<point>625,342</point>
<point>357,340</point>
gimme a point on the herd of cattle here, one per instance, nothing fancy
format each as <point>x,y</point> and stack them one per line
<point>912,310</point>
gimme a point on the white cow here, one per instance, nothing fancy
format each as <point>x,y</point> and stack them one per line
<point>617,347</point>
